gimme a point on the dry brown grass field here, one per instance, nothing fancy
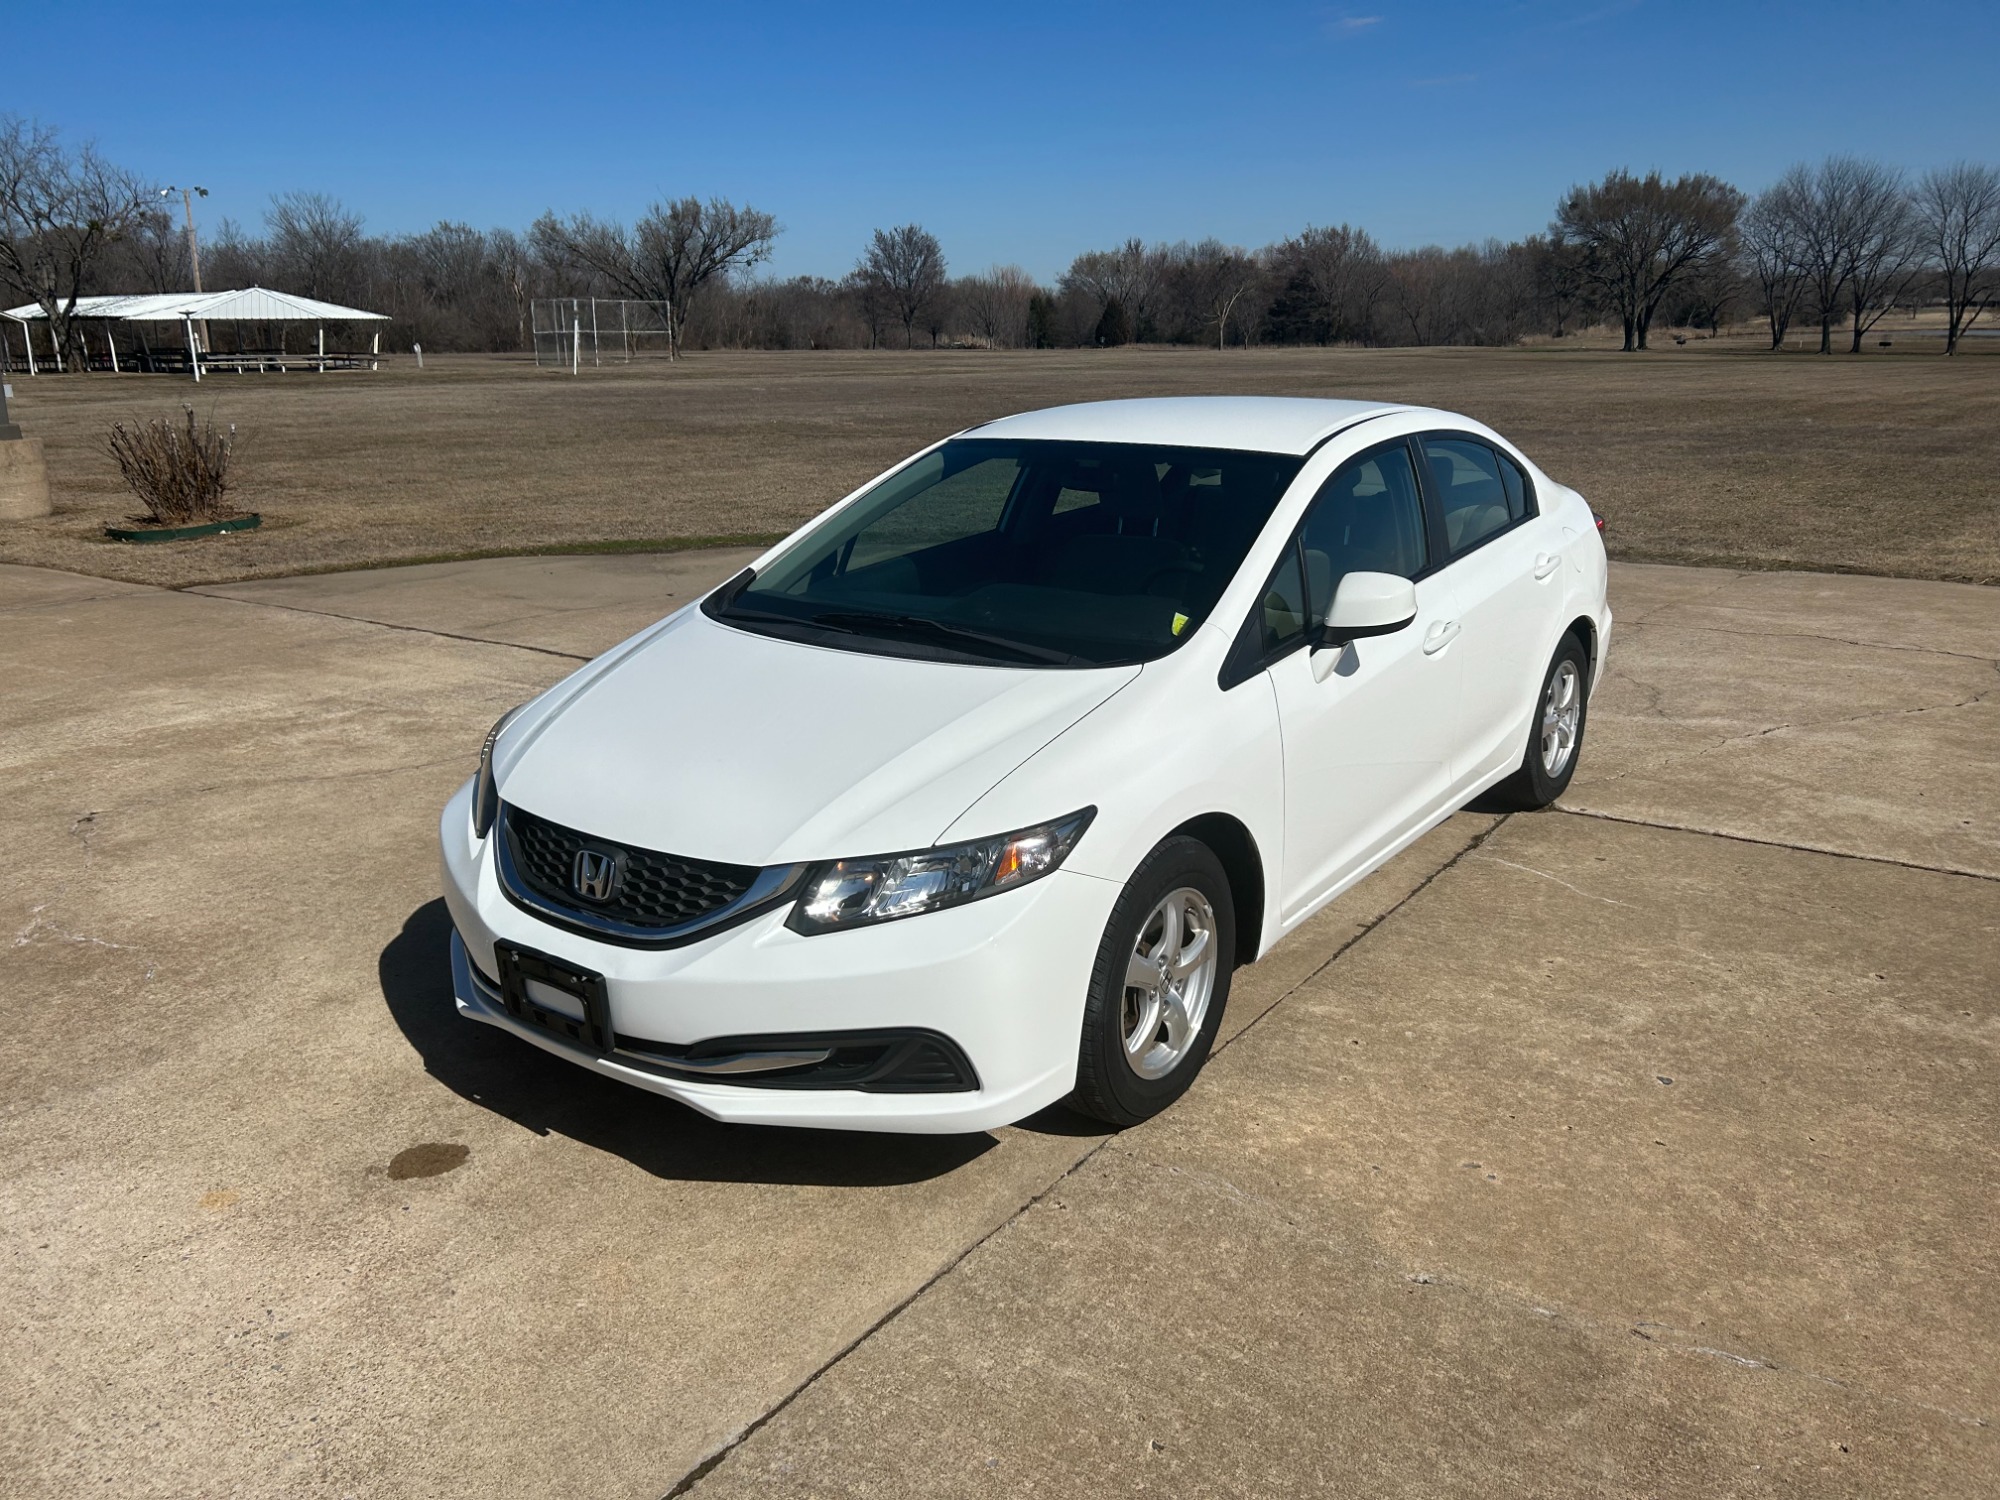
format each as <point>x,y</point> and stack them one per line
<point>1879,464</point>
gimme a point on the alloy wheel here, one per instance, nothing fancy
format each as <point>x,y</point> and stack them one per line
<point>1168,981</point>
<point>1562,714</point>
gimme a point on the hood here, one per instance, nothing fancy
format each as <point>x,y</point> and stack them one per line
<point>708,741</point>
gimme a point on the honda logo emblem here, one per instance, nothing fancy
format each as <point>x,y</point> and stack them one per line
<point>595,875</point>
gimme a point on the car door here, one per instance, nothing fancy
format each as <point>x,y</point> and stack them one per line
<point>1366,728</point>
<point>1506,573</point>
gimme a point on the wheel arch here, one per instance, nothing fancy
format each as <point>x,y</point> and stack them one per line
<point>1233,843</point>
<point>1585,630</point>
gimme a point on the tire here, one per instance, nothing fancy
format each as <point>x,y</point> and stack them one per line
<point>1122,1084</point>
<point>1545,774</point>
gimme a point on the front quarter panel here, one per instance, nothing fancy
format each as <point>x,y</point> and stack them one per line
<point>1170,748</point>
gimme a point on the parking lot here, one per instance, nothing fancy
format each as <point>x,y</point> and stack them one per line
<point>1647,1145</point>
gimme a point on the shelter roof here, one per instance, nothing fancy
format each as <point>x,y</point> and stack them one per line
<point>251,305</point>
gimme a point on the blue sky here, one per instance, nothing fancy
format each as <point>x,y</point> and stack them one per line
<point>1022,132</point>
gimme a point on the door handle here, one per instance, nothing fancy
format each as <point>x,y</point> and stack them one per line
<point>1546,563</point>
<point>1440,635</point>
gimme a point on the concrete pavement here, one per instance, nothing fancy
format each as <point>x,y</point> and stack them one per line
<point>1436,1221</point>
<point>572,605</point>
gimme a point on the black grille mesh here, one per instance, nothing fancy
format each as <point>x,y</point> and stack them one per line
<point>654,890</point>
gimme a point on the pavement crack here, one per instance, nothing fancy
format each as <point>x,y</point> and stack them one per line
<point>1678,1342</point>
<point>1681,758</point>
<point>1314,1225</point>
<point>1531,870</point>
<point>1639,617</point>
<point>41,606</point>
<point>1655,704</point>
<point>736,1440</point>
<point>1366,927</point>
<point>1809,635</point>
<point>750,1429</point>
<point>1746,838</point>
<point>445,635</point>
<point>41,926</point>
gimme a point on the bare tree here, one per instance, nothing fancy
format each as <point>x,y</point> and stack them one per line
<point>1423,290</point>
<point>872,303</point>
<point>675,250</point>
<point>996,303</point>
<point>315,245</point>
<point>1345,274</point>
<point>941,310</point>
<point>452,260</point>
<point>1641,234</point>
<point>803,312</point>
<point>1499,302</point>
<point>1775,247</point>
<point>59,211</point>
<point>236,259</point>
<point>153,254</point>
<point>1215,277</point>
<point>1958,218</point>
<point>1818,201</point>
<point>1849,219</point>
<point>906,268</point>
<point>1556,276</point>
<point>1129,276</point>
<point>1884,247</point>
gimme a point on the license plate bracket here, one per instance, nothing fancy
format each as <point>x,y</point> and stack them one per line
<point>592,1030</point>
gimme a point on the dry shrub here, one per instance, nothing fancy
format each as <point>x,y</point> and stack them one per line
<point>179,470</point>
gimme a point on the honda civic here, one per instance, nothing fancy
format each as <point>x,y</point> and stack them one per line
<point>968,797</point>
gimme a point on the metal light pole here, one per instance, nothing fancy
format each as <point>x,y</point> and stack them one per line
<point>188,195</point>
<point>187,202</point>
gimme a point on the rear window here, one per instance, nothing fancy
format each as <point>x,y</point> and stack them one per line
<point>1473,496</point>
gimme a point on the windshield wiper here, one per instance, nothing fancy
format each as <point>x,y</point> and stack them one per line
<point>861,623</point>
<point>779,617</point>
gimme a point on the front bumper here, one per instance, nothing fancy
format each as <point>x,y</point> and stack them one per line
<point>1003,979</point>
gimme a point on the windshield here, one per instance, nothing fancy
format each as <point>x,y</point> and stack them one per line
<point>1029,553</point>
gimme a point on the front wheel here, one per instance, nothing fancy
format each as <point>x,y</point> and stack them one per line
<point>1159,985</point>
<point>1555,736</point>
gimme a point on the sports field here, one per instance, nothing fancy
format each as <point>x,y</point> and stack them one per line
<point>1721,455</point>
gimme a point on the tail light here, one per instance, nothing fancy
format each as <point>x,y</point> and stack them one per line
<point>1600,522</point>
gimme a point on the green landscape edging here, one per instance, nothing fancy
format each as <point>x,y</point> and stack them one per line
<point>178,533</point>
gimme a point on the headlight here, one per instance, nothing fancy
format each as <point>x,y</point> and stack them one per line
<point>854,892</point>
<point>485,791</point>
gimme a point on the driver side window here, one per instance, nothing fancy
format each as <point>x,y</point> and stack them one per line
<point>1369,517</point>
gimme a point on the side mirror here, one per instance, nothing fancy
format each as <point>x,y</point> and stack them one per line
<point>1368,604</point>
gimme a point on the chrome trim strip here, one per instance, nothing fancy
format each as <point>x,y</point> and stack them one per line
<point>772,885</point>
<point>732,1063</point>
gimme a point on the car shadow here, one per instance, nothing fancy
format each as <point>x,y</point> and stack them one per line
<point>543,1093</point>
<point>1060,1119</point>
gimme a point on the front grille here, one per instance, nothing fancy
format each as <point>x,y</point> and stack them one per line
<point>654,890</point>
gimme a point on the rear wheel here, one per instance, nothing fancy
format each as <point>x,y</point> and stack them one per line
<point>1159,985</point>
<point>1555,736</point>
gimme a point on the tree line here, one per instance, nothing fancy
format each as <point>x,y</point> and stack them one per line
<point>1835,245</point>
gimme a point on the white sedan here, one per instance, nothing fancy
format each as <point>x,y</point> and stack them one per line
<point>968,797</point>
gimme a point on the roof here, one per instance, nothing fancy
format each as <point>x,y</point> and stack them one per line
<point>1264,424</point>
<point>251,305</point>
